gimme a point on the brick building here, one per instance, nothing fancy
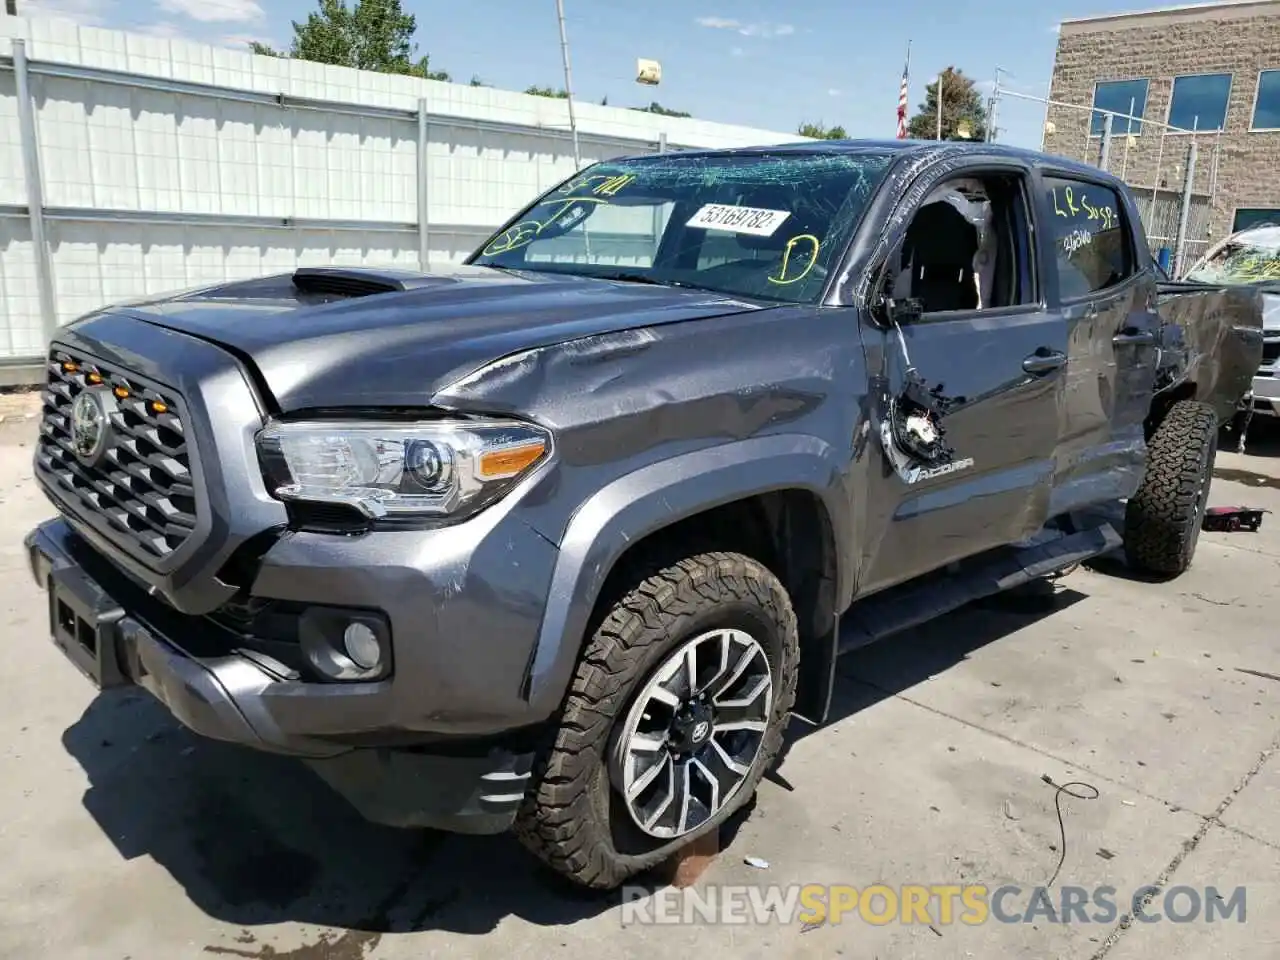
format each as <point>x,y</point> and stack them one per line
<point>1211,68</point>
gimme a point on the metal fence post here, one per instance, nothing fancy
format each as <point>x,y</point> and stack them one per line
<point>35,190</point>
<point>1104,150</point>
<point>662,143</point>
<point>1184,215</point>
<point>424,220</point>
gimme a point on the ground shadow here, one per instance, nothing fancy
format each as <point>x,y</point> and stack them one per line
<point>256,839</point>
<point>891,666</point>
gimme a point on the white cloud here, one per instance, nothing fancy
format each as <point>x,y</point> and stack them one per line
<point>765,31</point>
<point>241,41</point>
<point>164,30</point>
<point>214,11</point>
<point>167,30</point>
<point>87,13</point>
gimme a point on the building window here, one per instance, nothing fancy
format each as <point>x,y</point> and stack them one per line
<point>1119,96</point>
<point>1199,102</point>
<point>1266,106</point>
<point>1247,217</point>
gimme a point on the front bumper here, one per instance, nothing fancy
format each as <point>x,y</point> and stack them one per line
<point>244,697</point>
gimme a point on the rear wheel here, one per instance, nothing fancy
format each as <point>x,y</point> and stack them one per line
<point>675,712</point>
<point>1163,519</point>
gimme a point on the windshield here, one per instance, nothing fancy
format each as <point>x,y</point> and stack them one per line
<point>1241,259</point>
<point>756,224</point>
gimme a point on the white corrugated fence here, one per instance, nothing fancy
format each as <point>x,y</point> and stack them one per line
<point>151,164</point>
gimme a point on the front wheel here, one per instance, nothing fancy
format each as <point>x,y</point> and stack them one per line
<point>676,710</point>
<point>1163,519</point>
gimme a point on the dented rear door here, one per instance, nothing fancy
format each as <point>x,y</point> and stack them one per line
<point>1107,295</point>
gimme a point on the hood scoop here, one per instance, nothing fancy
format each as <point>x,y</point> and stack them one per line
<point>359,281</point>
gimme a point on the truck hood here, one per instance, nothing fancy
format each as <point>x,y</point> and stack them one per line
<point>401,347</point>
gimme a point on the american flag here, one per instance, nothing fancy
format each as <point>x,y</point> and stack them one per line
<point>902,96</point>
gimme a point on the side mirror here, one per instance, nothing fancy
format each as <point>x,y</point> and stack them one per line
<point>905,310</point>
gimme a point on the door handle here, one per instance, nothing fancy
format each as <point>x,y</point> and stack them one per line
<point>1044,361</point>
<point>1135,337</point>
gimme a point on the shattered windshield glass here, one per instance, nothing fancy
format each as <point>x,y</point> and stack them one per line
<point>1252,257</point>
<point>748,224</point>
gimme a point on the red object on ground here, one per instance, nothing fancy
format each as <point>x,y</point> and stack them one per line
<point>1233,518</point>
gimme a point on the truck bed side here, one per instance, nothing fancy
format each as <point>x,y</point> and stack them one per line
<point>1210,341</point>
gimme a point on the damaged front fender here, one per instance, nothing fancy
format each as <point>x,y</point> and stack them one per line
<point>659,425</point>
<point>644,502</point>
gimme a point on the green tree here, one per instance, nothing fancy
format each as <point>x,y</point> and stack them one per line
<point>659,109</point>
<point>369,35</point>
<point>964,115</point>
<point>819,131</point>
<point>536,91</point>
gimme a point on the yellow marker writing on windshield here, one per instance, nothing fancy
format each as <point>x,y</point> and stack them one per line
<point>513,238</point>
<point>565,203</point>
<point>613,185</point>
<point>811,245</point>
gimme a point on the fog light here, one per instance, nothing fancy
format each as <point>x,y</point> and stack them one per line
<point>362,647</point>
<point>345,644</point>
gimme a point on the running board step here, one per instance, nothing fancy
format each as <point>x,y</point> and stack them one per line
<point>910,605</point>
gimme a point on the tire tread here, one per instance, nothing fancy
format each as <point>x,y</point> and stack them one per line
<point>1159,536</point>
<point>553,822</point>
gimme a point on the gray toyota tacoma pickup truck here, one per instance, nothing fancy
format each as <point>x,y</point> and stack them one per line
<point>559,540</point>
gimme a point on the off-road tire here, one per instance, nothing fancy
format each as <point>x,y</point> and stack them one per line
<point>571,818</point>
<point>1162,520</point>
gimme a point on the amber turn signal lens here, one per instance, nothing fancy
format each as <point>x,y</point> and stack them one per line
<point>158,406</point>
<point>508,462</point>
<point>120,392</point>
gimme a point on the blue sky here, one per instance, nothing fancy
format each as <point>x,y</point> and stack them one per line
<point>755,62</point>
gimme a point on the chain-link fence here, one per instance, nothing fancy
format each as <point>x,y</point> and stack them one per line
<point>1173,171</point>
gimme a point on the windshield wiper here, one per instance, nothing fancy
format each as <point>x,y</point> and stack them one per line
<point>625,277</point>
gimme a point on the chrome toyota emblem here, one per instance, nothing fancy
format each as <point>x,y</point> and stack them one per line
<point>88,425</point>
<point>700,731</point>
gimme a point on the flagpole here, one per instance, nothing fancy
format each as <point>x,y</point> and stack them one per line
<point>906,80</point>
<point>938,97</point>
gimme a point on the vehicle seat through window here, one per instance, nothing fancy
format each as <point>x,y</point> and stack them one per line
<point>939,251</point>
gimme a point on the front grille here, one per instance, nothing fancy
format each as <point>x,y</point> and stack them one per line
<point>140,481</point>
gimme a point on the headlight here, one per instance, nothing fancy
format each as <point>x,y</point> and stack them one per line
<point>432,468</point>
